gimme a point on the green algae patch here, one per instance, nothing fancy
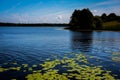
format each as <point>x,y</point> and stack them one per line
<point>15,68</point>
<point>34,66</point>
<point>50,64</point>
<point>11,68</point>
<point>49,75</point>
<point>13,79</point>
<point>30,69</point>
<point>25,65</point>
<point>14,63</point>
<point>3,69</point>
<point>77,69</point>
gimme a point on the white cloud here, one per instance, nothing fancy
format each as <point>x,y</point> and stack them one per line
<point>94,11</point>
<point>59,17</point>
<point>56,17</point>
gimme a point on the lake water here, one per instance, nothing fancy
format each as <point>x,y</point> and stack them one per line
<point>33,45</point>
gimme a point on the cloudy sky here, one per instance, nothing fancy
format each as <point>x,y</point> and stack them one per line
<point>51,11</point>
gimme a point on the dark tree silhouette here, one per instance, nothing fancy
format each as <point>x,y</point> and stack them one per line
<point>104,17</point>
<point>82,19</point>
<point>112,17</point>
<point>75,19</point>
<point>98,22</point>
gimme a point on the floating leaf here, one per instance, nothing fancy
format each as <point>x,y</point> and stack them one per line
<point>34,65</point>
<point>13,79</point>
<point>25,65</point>
<point>30,69</point>
<point>3,69</point>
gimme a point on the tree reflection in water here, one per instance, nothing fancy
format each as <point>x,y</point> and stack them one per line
<point>81,41</point>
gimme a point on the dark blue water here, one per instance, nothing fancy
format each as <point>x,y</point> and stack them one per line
<point>33,45</point>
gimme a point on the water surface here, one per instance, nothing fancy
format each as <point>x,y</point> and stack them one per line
<point>33,45</point>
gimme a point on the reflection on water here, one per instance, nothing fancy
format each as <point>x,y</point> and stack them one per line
<point>81,41</point>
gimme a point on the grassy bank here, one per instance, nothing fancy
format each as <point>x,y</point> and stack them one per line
<point>112,25</point>
<point>107,26</point>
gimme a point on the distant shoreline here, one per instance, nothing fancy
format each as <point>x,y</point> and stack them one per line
<point>106,27</point>
<point>33,24</point>
<point>92,30</point>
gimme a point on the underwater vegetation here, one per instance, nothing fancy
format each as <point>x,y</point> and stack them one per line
<point>76,67</point>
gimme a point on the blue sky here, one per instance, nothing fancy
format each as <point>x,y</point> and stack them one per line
<point>51,11</point>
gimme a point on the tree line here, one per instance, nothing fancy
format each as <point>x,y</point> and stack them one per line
<point>84,19</point>
<point>33,24</point>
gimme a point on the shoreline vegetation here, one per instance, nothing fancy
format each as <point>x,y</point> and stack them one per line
<point>81,20</point>
<point>85,20</point>
<point>109,26</point>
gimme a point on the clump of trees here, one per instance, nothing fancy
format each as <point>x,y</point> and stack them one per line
<point>85,20</point>
<point>82,19</point>
<point>98,23</point>
<point>110,17</point>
